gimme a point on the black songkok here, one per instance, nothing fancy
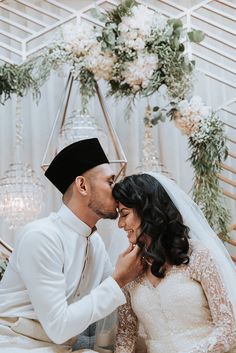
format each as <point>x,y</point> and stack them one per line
<point>75,160</point>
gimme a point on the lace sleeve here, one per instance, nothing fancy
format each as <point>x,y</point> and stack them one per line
<point>127,327</point>
<point>223,335</point>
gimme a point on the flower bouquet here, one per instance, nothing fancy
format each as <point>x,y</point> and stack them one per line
<point>136,52</point>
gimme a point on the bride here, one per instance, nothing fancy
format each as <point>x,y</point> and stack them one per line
<point>185,301</point>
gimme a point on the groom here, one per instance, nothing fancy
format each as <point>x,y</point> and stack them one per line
<point>59,279</point>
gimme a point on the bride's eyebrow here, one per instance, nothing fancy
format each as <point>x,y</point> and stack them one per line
<point>122,209</point>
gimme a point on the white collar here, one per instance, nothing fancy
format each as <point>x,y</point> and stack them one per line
<point>71,220</point>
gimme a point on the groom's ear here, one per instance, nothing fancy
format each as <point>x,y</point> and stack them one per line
<point>81,185</point>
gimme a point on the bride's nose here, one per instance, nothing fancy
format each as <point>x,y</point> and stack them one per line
<point>120,223</point>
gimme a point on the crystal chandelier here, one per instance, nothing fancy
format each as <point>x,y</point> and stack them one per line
<point>80,125</point>
<point>21,195</point>
<point>150,160</point>
<point>21,192</point>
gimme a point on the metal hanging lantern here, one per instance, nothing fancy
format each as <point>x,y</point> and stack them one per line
<point>79,124</point>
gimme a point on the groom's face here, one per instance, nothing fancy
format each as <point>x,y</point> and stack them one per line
<point>101,201</point>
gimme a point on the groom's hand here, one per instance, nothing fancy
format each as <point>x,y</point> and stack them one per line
<point>128,266</point>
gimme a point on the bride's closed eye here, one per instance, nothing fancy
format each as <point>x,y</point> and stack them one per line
<point>123,215</point>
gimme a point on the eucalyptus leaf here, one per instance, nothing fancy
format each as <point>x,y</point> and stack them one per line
<point>181,47</point>
<point>196,36</point>
<point>157,114</point>
<point>176,43</point>
<point>175,23</point>
<point>96,13</point>
<point>154,121</point>
<point>163,118</point>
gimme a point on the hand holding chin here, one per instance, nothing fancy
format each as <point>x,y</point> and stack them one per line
<point>129,265</point>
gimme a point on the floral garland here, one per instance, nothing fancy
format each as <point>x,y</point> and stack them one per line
<point>207,143</point>
<point>137,52</point>
<point>31,75</point>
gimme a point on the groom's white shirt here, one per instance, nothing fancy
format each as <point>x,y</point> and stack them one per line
<point>49,278</point>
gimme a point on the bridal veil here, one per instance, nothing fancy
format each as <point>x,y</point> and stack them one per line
<point>201,231</point>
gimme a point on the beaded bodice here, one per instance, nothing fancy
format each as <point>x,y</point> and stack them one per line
<point>188,311</point>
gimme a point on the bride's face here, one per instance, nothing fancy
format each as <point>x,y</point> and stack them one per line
<point>130,222</point>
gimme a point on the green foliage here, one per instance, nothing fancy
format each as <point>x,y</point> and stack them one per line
<point>196,36</point>
<point>109,36</point>
<point>174,70</point>
<point>87,86</point>
<point>31,75</point>
<point>177,27</point>
<point>208,151</point>
<point>15,80</point>
<point>95,12</point>
<point>124,9</point>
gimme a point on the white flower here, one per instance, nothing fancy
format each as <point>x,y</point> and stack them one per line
<point>100,63</point>
<point>190,114</point>
<point>142,19</point>
<point>139,72</point>
<point>135,28</point>
<point>80,38</point>
<point>137,44</point>
<point>159,22</point>
<point>188,125</point>
<point>198,106</point>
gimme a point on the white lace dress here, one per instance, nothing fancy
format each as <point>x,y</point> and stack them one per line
<point>188,311</point>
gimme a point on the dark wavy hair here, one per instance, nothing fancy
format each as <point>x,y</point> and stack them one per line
<point>160,219</point>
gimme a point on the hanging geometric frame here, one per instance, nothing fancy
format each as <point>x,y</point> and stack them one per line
<point>115,151</point>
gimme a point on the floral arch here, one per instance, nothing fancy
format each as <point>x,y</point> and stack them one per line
<point>137,52</point>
